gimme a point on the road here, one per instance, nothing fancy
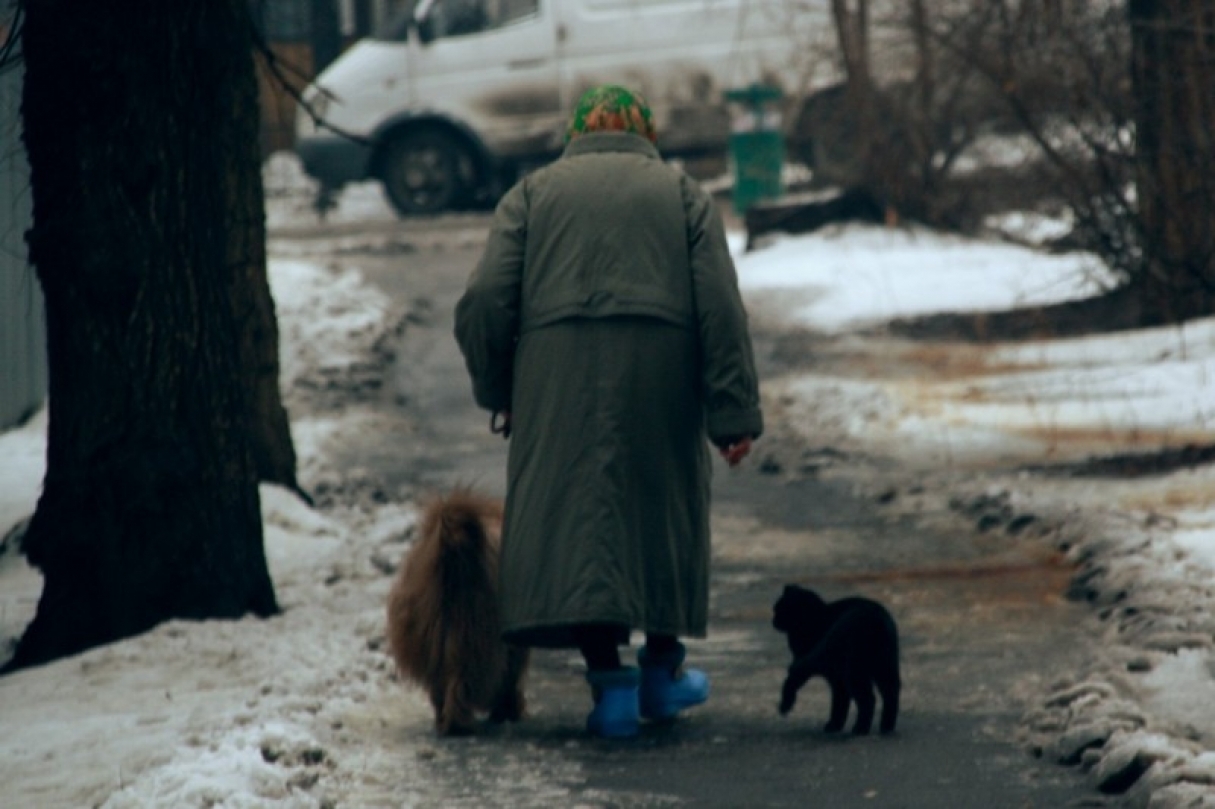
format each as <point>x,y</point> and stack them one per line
<point>984,622</point>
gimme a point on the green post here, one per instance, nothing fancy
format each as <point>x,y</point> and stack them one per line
<point>757,145</point>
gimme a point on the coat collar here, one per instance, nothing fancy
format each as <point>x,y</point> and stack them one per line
<point>594,142</point>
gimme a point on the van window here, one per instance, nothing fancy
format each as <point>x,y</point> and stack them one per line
<point>511,11</point>
<point>451,18</point>
<point>395,27</point>
<point>617,6</point>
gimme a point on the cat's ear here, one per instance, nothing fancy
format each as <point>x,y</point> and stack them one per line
<point>791,588</point>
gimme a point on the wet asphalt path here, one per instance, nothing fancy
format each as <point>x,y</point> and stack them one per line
<point>983,621</point>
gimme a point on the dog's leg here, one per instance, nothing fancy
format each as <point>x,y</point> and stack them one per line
<point>456,718</point>
<point>509,703</point>
<point>436,702</point>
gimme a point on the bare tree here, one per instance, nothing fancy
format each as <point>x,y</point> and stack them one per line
<point>141,127</point>
<point>1173,71</point>
<point>908,108</point>
<point>1117,98</point>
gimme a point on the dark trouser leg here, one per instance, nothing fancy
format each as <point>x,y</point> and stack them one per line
<point>599,647</point>
<point>661,646</point>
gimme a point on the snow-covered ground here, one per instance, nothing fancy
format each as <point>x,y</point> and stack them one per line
<point>250,713</point>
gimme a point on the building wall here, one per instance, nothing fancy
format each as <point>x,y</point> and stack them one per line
<point>22,325</point>
<point>277,102</point>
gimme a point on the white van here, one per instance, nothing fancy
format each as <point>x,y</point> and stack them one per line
<point>454,96</point>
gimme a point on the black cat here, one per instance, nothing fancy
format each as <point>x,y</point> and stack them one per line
<point>853,643</point>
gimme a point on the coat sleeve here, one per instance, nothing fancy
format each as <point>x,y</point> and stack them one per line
<point>487,314</point>
<point>730,384</point>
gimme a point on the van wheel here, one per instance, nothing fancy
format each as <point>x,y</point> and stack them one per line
<point>425,172</point>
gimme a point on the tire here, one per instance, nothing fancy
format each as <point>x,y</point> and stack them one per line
<point>425,172</point>
<point>825,137</point>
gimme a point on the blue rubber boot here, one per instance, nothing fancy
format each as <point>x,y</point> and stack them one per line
<point>667,687</point>
<point>615,694</point>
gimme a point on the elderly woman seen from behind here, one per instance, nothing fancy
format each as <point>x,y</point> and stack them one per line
<point>604,325</point>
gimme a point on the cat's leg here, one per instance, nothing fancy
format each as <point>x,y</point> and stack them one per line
<point>860,688</point>
<point>889,689</point>
<point>839,705</point>
<point>800,672</point>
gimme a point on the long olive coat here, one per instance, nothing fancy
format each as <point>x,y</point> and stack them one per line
<point>605,317</point>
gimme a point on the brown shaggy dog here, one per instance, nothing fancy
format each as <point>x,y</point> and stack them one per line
<point>443,620</point>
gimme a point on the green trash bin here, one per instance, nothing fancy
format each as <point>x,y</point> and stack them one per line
<point>757,144</point>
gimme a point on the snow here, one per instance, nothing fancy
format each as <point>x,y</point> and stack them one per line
<point>858,276</point>
<point>287,207</point>
<point>325,317</point>
<point>245,713</point>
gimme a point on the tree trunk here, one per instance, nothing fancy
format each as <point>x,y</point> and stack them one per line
<point>1173,71</point>
<point>141,129</point>
<point>883,174</point>
<point>852,32</point>
<point>266,419</point>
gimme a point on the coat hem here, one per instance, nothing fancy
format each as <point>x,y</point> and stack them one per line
<point>561,635</point>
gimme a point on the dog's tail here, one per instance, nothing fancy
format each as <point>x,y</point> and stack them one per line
<point>457,616</point>
<point>466,525</point>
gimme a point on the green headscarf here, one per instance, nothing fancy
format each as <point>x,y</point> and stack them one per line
<point>611,108</point>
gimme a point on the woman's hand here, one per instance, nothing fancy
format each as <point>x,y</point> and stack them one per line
<point>735,449</point>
